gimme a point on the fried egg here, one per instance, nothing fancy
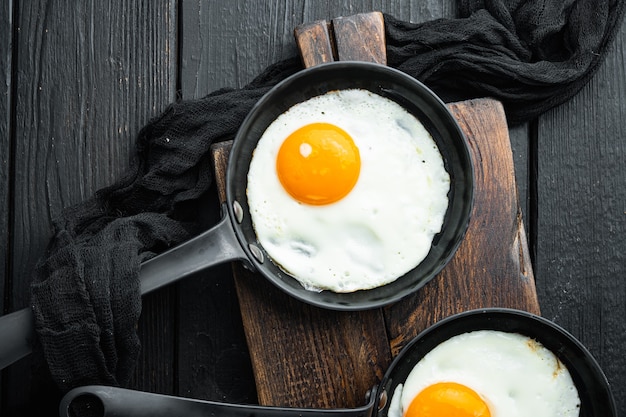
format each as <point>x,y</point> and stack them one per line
<point>346,191</point>
<point>487,373</point>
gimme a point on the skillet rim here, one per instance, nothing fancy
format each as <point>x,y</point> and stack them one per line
<point>571,352</point>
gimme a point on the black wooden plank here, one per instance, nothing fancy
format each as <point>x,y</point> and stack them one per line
<point>227,43</point>
<point>89,75</point>
<point>156,371</point>
<point>520,142</point>
<point>6,30</point>
<point>224,45</point>
<point>581,234</point>
<point>212,358</point>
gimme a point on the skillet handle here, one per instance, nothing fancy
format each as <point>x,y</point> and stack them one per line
<point>213,247</point>
<point>18,335</point>
<point>120,402</point>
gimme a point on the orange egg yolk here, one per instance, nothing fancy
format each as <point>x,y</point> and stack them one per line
<point>318,164</point>
<point>447,399</point>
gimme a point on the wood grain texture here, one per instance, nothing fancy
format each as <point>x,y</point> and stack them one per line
<point>520,138</point>
<point>84,91</point>
<point>315,43</point>
<point>492,266</point>
<point>156,369</point>
<point>212,357</point>
<point>581,233</point>
<point>309,357</point>
<point>89,76</point>
<point>6,114</point>
<point>226,43</point>
<point>360,37</point>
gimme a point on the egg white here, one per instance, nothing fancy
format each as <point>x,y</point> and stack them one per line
<point>384,227</point>
<point>515,375</point>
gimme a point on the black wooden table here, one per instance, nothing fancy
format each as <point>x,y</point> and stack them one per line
<point>79,81</point>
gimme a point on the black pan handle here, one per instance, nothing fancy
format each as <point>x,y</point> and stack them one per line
<point>215,246</point>
<point>17,335</point>
<point>119,402</point>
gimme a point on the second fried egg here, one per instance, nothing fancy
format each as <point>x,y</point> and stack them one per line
<point>346,191</point>
<point>487,373</point>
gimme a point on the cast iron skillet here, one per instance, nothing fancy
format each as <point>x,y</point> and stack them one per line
<point>593,387</point>
<point>233,237</point>
<point>382,80</point>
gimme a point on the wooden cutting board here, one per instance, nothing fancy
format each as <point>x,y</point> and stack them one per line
<point>304,356</point>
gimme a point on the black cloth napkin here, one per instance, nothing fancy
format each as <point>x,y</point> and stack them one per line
<point>530,54</point>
